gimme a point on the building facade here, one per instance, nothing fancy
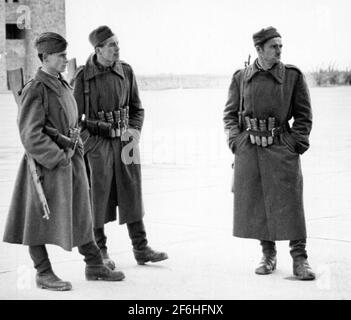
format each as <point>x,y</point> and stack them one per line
<point>21,21</point>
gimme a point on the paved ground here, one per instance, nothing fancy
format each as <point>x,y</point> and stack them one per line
<point>189,214</point>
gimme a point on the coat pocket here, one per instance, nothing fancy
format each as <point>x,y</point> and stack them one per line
<point>239,142</point>
<point>290,142</point>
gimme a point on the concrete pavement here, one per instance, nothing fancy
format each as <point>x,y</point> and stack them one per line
<point>189,215</point>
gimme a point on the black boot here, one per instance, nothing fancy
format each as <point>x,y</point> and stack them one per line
<point>142,252</point>
<point>45,277</point>
<point>50,281</point>
<point>95,268</point>
<point>101,240</point>
<point>301,267</point>
<point>269,260</point>
<point>102,272</point>
<point>149,255</point>
<point>108,262</point>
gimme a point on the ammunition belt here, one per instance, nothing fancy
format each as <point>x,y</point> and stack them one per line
<point>271,133</point>
<point>110,125</point>
<point>63,141</point>
<point>263,131</point>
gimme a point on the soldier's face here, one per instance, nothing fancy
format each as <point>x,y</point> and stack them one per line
<point>110,51</point>
<point>272,50</point>
<point>56,62</point>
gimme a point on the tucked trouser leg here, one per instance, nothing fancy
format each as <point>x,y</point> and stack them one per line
<point>91,253</point>
<point>45,277</point>
<point>268,248</point>
<point>100,238</point>
<point>142,252</point>
<point>298,248</point>
<point>101,241</point>
<point>301,267</point>
<point>137,235</point>
<point>269,260</point>
<point>40,259</point>
<point>95,268</point>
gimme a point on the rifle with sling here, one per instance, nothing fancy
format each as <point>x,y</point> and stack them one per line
<point>14,87</point>
<point>241,106</point>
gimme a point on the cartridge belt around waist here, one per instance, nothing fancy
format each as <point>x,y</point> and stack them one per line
<point>269,133</point>
<point>109,125</point>
<point>63,141</point>
<point>104,129</point>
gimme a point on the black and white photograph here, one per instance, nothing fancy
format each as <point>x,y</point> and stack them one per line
<point>167,150</point>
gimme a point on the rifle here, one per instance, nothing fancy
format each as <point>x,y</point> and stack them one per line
<point>241,106</point>
<point>38,187</point>
<point>15,85</point>
<point>248,62</point>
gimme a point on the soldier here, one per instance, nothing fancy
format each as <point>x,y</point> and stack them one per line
<point>52,176</point>
<point>107,94</point>
<point>268,203</point>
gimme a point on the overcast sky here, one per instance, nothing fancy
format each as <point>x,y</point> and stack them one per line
<point>212,36</point>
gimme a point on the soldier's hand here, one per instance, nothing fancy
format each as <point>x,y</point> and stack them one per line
<point>80,147</point>
<point>70,153</point>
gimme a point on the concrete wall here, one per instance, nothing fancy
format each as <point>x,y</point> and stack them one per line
<point>3,78</point>
<point>12,11</point>
<point>46,15</point>
<point>16,54</point>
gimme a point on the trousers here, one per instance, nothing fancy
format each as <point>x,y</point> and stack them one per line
<point>40,257</point>
<point>136,232</point>
<point>297,248</point>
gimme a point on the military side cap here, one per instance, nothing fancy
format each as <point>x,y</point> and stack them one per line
<point>264,35</point>
<point>50,42</point>
<point>99,35</point>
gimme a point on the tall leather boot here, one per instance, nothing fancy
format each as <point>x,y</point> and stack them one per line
<point>45,277</point>
<point>142,252</point>
<point>301,267</point>
<point>95,268</point>
<point>101,240</point>
<point>269,260</point>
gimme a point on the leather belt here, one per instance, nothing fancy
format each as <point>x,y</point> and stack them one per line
<point>269,133</point>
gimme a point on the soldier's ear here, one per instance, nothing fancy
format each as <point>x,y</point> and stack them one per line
<point>45,57</point>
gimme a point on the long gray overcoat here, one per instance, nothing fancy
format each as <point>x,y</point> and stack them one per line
<point>268,182</point>
<point>114,183</point>
<point>64,179</point>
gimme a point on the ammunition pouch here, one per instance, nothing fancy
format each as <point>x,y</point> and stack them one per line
<point>100,128</point>
<point>92,126</point>
<point>105,129</point>
<point>61,140</point>
<point>269,133</point>
<point>262,132</point>
<point>117,123</point>
<point>64,142</point>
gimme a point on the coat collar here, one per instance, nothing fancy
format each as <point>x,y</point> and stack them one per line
<point>93,69</point>
<point>278,72</point>
<point>54,83</point>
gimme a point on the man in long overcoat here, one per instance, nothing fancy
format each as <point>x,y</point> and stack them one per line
<point>107,94</point>
<point>47,118</point>
<point>268,184</point>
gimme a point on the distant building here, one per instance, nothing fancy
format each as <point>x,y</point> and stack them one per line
<point>21,21</point>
